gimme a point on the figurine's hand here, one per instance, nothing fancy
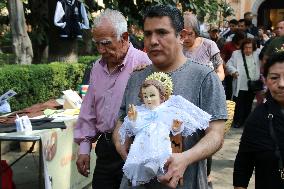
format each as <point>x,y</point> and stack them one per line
<point>132,113</point>
<point>176,125</point>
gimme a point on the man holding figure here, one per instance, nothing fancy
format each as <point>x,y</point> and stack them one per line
<point>163,38</point>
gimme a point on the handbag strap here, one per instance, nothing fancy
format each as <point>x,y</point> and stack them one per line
<point>245,63</point>
<point>277,149</point>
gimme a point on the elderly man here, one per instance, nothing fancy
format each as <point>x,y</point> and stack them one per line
<point>280,28</point>
<point>251,28</point>
<point>101,104</point>
<point>214,34</point>
<point>275,44</point>
<point>163,39</point>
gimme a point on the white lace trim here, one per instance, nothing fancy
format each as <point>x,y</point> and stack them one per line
<point>151,130</point>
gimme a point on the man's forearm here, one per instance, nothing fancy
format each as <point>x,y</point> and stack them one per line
<point>121,149</point>
<point>115,135</point>
<point>209,144</point>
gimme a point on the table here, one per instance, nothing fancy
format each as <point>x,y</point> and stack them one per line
<point>60,165</point>
<point>22,137</point>
<point>37,125</point>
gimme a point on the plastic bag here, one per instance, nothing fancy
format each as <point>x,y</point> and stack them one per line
<point>7,176</point>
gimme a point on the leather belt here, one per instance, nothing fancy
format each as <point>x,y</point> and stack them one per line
<point>107,136</point>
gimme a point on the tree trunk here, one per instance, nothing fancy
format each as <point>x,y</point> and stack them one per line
<point>22,45</point>
<point>88,43</point>
<point>38,19</point>
<point>60,49</point>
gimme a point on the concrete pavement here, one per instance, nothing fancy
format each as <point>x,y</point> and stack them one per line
<point>223,161</point>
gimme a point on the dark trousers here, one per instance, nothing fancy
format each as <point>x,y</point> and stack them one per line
<point>243,106</point>
<point>228,86</point>
<point>108,171</point>
<point>209,165</point>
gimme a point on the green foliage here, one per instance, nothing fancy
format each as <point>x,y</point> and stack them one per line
<point>6,42</point>
<point>6,39</point>
<point>3,4</point>
<point>6,59</point>
<point>36,15</point>
<point>87,59</point>
<point>39,83</point>
<point>213,10</point>
<point>135,9</point>
<point>210,8</point>
<point>227,10</point>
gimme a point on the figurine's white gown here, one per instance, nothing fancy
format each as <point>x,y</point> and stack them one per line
<point>152,146</point>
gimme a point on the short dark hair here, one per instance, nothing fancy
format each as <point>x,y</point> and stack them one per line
<point>263,29</point>
<point>238,37</point>
<point>248,22</point>
<point>233,21</point>
<point>242,20</point>
<point>247,13</point>
<point>277,57</point>
<point>248,41</point>
<point>166,10</point>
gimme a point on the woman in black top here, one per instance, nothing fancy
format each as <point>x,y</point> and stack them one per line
<point>257,147</point>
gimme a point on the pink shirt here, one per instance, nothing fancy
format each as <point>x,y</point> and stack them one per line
<point>101,104</point>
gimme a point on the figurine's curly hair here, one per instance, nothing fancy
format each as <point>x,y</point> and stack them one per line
<point>156,84</point>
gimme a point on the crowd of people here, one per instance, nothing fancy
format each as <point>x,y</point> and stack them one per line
<point>203,71</point>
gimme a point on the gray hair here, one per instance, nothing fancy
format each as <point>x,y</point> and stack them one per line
<point>190,21</point>
<point>116,19</point>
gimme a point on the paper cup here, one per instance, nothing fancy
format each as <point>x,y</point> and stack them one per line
<point>83,90</point>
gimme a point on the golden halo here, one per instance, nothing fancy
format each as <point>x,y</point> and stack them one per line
<point>165,79</point>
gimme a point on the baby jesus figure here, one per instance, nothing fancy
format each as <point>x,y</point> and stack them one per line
<point>152,123</point>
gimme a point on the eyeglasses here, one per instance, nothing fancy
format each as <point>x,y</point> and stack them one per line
<point>104,42</point>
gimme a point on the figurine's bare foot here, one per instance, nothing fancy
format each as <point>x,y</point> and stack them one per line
<point>176,125</point>
<point>132,113</point>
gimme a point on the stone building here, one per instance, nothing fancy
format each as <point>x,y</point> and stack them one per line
<point>266,12</point>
